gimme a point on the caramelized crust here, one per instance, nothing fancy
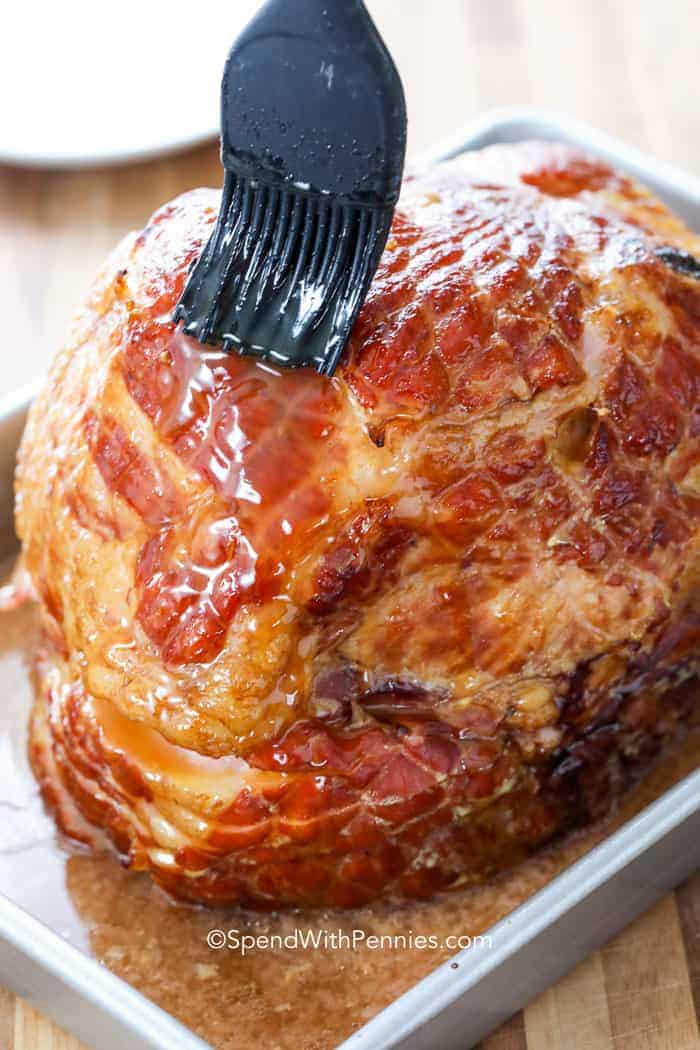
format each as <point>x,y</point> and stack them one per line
<point>312,641</point>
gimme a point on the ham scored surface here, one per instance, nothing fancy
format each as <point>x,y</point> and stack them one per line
<point>312,641</point>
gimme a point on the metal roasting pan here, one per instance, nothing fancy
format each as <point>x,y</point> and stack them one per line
<point>456,1005</point>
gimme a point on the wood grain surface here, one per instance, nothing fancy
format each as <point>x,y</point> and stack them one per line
<point>628,66</point>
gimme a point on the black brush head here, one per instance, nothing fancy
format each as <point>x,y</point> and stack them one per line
<point>313,143</point>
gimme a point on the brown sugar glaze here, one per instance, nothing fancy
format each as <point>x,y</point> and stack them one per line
<point>315,642</point>
<point>281,999</point>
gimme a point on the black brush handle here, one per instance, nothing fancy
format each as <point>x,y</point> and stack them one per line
<point>332,93</point>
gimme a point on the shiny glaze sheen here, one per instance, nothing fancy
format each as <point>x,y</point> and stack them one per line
<point>313,641</point>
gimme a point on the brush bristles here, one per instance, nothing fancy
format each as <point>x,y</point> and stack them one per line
<point>283,274</point>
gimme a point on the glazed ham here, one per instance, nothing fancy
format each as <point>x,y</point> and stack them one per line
<point>314,641</point>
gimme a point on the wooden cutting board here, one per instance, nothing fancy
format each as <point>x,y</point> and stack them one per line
<point>629,66</point>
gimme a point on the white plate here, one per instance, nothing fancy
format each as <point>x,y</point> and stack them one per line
<point>84,82</point>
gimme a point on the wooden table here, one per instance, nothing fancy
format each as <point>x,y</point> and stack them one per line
<point>629,66</point>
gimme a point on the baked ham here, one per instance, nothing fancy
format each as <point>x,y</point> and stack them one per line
<point>314,641</point>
